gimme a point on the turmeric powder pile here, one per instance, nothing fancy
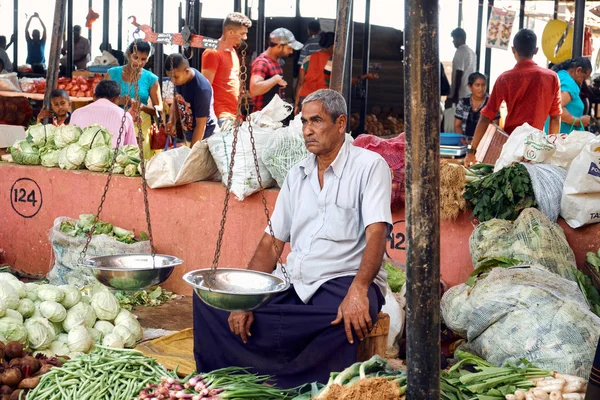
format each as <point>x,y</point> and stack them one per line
<point>452,184</point>
<point>365,389</point>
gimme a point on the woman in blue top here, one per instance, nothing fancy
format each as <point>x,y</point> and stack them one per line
<point>148,87</point>
<point>571,74</point>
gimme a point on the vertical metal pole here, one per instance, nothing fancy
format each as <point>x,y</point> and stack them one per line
<point>422,72</point>
<point>261,28</point>
<point>347,91</point>
<point>237,6</point>
<point>556,9</point>
<point>196,24</point>
<point>342,24</point>
<point>479,25</point>
<point>69,65</point>
<point>460,13</point>
<point>179,22</point>
<point>578,28</point>
<point>106,22</point>
<point>488,52</point>
<point>365,67</point>
<point>58,27</point>
<point>158,8</point>
<point>522,15</point>
<point>16,32</point>
<point>120,25</point>
<point>90,4</point>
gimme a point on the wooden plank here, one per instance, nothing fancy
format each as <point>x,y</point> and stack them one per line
<point>339,47</point>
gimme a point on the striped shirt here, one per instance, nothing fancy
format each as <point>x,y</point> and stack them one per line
<point>310,46</point>
<point>108,115</point>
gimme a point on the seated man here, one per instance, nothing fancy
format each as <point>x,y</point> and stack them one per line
<point>334,210</point>
<point>105,112</point>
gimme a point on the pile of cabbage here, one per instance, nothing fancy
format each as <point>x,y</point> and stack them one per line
<point>85,223</point>
<point>62,320</point>
<point>70,147</point>
<point>128,161</point>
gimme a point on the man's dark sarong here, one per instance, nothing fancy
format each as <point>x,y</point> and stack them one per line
<point>293,341</point>
<point>593,391</point>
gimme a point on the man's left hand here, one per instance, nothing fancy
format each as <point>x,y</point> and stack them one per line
<point>354,310</point>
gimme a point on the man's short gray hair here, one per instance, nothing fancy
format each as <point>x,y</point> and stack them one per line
<point>333,103</point>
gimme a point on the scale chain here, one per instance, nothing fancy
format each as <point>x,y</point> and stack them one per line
<point>244,99</point>
<point>126,109</point>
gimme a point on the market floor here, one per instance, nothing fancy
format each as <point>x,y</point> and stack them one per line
<point>174,315</point>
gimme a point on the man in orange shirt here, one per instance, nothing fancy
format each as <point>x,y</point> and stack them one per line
<point>222,68</point>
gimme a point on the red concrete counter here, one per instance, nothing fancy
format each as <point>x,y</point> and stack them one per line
<point>185,221</point>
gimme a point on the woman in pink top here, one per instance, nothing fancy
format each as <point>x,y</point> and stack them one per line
<point>104,112</point>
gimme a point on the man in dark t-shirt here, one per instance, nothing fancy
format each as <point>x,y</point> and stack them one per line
<point>193,100</point>
<point>36,43</point>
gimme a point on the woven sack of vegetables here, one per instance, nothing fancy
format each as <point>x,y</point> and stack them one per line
<point>67,250</point>
<point>525,312</point>
<point>392,151</point>
<point>531,238</point>
<point>284,149</point>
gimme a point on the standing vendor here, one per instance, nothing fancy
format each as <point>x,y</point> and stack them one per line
<point>531,93</point>
<point>334,210</point>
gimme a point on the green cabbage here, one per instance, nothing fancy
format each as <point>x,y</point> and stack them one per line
<point>49,157</point>
<point>71,157</point>
<point>26,307</point>
<point>99,159</point>
<point>14,282</point>
<point>65,135</point>
<point>79,339</point>
<point>95,334</point>
<point>105,305</point>
<point>117,169</point>
<point>128,154</point>
<point>133,325</point>
<point>123,235</point>
<point>113,340</point>
<point>40,333</point>
<point>72,296</point>
<point>3,308</point>
<point>59,348</point>
<point>95,136</point>
<point>86,222</point>
<point>396,277</point>
<point>62,337</point>
<point>104,326</point>
<point>125,334</point>
<point>25,153</point>
<point>58,328</point>
<point>53,311</point>
<point>9,295</point>
<point>50,293</point>
<point>14,314</point>
<point>81,314</point>
<point>131,170</point>
<point>41,135</point>
<point>32,289</point>
<point>12,330</point>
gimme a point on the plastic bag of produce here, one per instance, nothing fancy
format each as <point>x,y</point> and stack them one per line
<point>568,147</point>
<point>245,181</point>
<point>68,248</point>
<point>181,166</point>
<point>547,181</point>
<point>580,203</point>
<point>392,151</point>
<point>525,143</point>
<point>10,82</point>
<point>284,149</point>
<point>525,312</point>
<point>23,152</point>
<point>531,238</point>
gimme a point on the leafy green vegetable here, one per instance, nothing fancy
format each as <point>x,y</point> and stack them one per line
<point>25,153</point>
<point>49,156</point>
<point>95,136</point>
<point>588,290</point>
<point>502,195</point>
<point>71,157</point>
<point>396,277</point>
<point>149,298</point>
<point>99,158</point>
<point>594,259</point>
<point>65,135</point>
<point>41,135</point>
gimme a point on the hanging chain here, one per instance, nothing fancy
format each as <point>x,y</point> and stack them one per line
<point>244,100</point>
<point>126,108</point>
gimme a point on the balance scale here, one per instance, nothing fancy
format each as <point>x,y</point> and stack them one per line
<point>453,151</point>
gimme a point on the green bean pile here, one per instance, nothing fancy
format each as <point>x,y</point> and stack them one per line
<point>105,373</point>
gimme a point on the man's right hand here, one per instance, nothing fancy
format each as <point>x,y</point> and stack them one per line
<point>239,324</point>
<point>280,81</point>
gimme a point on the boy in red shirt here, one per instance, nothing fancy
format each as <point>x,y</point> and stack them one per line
<point>531,93</point>
<point>222,67</point>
